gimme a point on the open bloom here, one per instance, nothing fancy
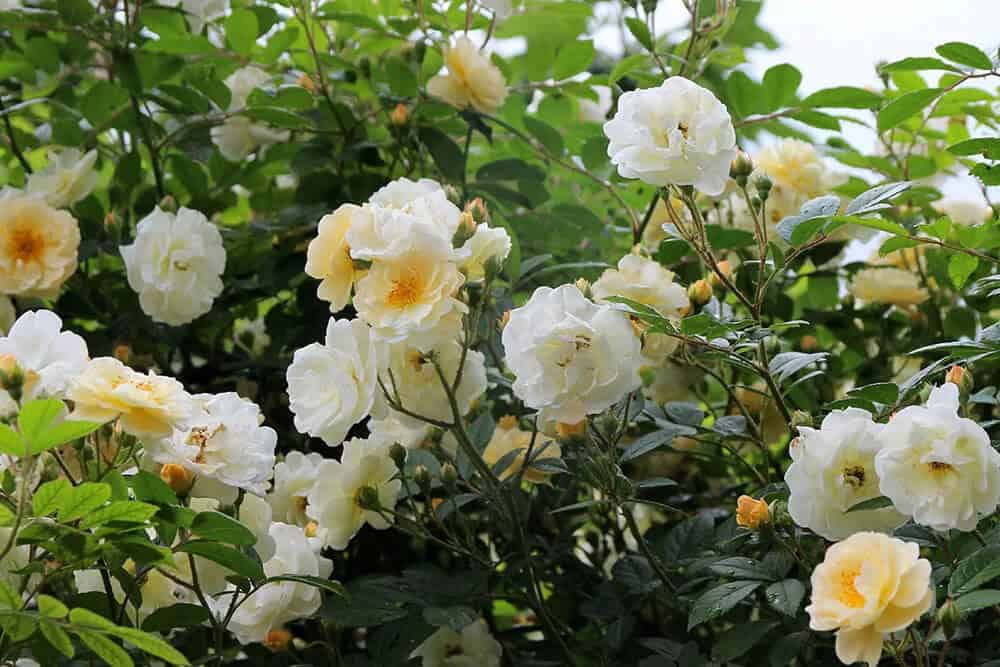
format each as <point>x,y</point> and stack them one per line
<point>68,178</point>
<point>277,603</point>
<point>474,646</point>
<point>293,480</point>
<point>833,469</point>
<point>571,357</point>
<point>147,406</point>
<point>175,265</point>
<point>408,294</point>
<point>867,586</point>
<point>888,285</point>
<point>332,386</point>
<point>223,440</point>
<point>471,81</point>
<point>239,136</point>
<point>964,212</point>
<point>487,245</point>
<point>38,246</point>
<point>364,470</point>
<point>424,198</point>
<point>677,133</point>
<point>49,357</point>
<point>938,467</point>
<point>645,281</point>
<point>509,437</point>
<point>328,257</point>
<point>199,12</point>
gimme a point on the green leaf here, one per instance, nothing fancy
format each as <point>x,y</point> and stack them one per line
<point>780,83</point>
<point>843,97</point>
<point>400,77</point>
<point>547,135</point>
<point>960,267</point>
<point>640,31</point>
<point>917,64</point>
<point>976,600</point>
<point>986,146</point>
<point>61,433</point>
<point>9,599</point>
<point>222,528</point>
<point>151,644</point>
<point>7,516</point>
<point>794,228</point>
<point>980,568</point>
<point>225,556</point>
<point>151,489</point>
<point>739,639</point>
<point>50,497</point>
<point>628,65</point>
<point>509,169</point>
<point>106,650</point>
<point>50,607</point>
<point>241,31</point>
<point>123,511</point>
<point>446,153</point>
<point>75,12</point>
<point>10,441</point>
<point>786,596</point>
<point>56,636</point>
<point>177,45</point>
<point>904,107</point>
<point>175,616</point>
<point>719,600</point>
<point>36,416</point>
<point>739,567</point>
<point>83,499</point>
<point>876,503</point>
<point>573,57</point>
<point>880,392</point>
<point>965,54</point>
<point>876,198</point>
<point>327,585</point>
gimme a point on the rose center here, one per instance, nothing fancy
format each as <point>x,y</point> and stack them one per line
<point>854,476</point>
<point>940,467</point>
<point>405,291</point>
<point>25,244</point>
<point>848,593</point>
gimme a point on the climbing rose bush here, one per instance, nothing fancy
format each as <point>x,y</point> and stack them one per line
<point>491,332</point>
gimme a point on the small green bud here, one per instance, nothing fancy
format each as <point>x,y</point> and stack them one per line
<point>422,475</point>
<point>367,498</point>
<point>949,616</point>
<point>449,475</point>
<point>398,455</point>
<point>763,185</point>
<point>741,168</point>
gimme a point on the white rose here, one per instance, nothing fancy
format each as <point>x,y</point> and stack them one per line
<point>38,246</point>
<point>487,244</point>
<point>646,281</point>
<point>147,406</point>
<point>868,586</point>
<point>328,257</point>
<point>393,429</point>
<point>963,212</point>
<point>199,12</point>
<point>293,480</point>
<point>475,646</point>
<point>833,469</point>
<point>675,134</point>
<point>412,375</point>
<point>68,178</point>
<point>238,136</point>
<point>938,467</point>
<point>571,357</point>
<point>471,80</point>
<point>409,294</point>
<point>49,357</point>
<point>223,440</point>
<point>888,285</point>
<point>251,335</point>
<point>671,382</point>
<point>332,386</point>
<point>242,82</point>
<point>273,605</point>
<point>365,464</point>
<point>424,198</point>
<point>797,169</point>
<point>175,265</point>
<point>256,514</point>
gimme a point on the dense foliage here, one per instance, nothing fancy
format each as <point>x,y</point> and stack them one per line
<point>393,332</point>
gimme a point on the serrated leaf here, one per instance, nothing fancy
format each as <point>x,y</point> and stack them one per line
<point>986,146</point>
<point>327,585</point>
<point>918,64</point>
<point>628,65</point>
<point>719,600</point>
<point>82,499</point>
<point>36,416</point>
<point>10,441</point>
<point>61,433</point>
<point>960,267</point>
<point>125,511</point>
<point>640,31</point>
<point>49,497</point>
<point>780,83</point>
<point>980,568</point>
<point>740,567</point>
<point>241,30</point>
<point>50,607</point>
<point>179,615</point>
<point>151,644</point>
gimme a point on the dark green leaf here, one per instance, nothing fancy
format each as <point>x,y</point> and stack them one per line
<point>719,600</point>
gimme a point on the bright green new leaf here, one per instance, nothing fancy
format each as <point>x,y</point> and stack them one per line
<point>241,31</point>
<point>82,499</point>
<point>905,106</point>
<point>965,54</point>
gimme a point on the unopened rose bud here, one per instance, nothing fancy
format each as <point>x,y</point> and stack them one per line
<point>763,185</point>
<point>949,616</point>
<point>110,221</point>
<point>367,498</point>
<point>741,168</point>
<point>751,513</point>
<point>421,475</point>
<point>122,353</point>
<point>278,640</point>
<point>504,319</point>
<point>477,209</point>
<point>961,377</point>
<point>466,228</point>
<point>725,268</point>
<point>700,292</point>
<point>168,203</point>
<point>400,116</point>
<point>583,285</point>
<point>449,474</point>
<point>809,343</point>
<point>178,478</point>
<point>398,455</point>
<point>311,529</point>
<point>307,82</point>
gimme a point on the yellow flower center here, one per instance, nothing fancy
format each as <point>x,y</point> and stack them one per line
<point>300,503</point>
<point>854,476</point>
<point>848,594</point>
<point>406,290</point>
<point>940,467</point>
<point>26,244</point>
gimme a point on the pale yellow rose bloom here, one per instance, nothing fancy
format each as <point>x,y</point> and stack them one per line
<point>328,257</point>
<point>471,81</point>
<point>897,287</point>
<point>507,438</point>
<point>38,246</point>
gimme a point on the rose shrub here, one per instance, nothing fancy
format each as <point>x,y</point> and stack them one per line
<point>436,332</point>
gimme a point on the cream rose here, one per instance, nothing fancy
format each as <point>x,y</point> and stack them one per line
<point>328,257</point>
<point>897,287</point>
<point>474,646</point>
<point>938,467</point>
<point>571,357</point>
<point>471,80</point>
<point>868,586</point>
<point>49,357</point>
<point>487,245</point>
<point>38,246</point>
<point>68,178</point>
<point>508,437</point>
<point>963,212</point>
<point>293,480</point>
<point>675,134</point>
